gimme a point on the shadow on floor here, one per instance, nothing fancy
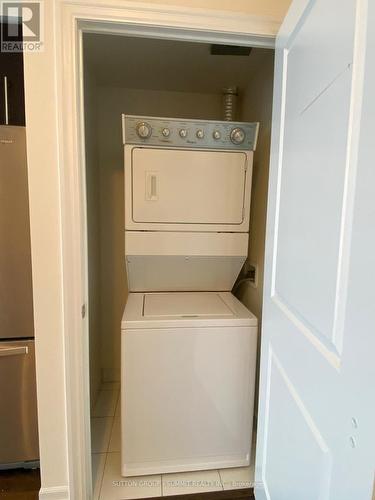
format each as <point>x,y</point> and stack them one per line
<point>20,484</point>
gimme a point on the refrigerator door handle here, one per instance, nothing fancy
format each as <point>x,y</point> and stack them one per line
<point>13,351</point>
<point>6,108</point>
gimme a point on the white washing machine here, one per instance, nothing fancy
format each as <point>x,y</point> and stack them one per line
<point>188,367</point>
<point>188,345</point>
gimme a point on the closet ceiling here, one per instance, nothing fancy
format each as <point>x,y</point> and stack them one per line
<point>145,63</point>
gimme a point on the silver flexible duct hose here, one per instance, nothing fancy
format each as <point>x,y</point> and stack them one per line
<point>229,103</point>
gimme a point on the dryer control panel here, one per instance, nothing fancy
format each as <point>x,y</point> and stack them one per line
<point>184,133</point>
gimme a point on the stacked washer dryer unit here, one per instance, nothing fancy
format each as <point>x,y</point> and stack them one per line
<point>188,345</point>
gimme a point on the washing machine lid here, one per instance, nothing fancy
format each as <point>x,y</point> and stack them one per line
<point>185,309</point>
<point>175,305</point>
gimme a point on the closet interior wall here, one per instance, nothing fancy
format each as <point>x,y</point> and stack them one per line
<point>112,101</point>
<point>104,103</point>
<point>257,106</point>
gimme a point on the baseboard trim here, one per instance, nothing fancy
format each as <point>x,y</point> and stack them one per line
<point>260,492</point>
<point>54,493</point>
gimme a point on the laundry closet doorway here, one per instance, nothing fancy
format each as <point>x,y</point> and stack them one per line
<point>81,344</point>
<point>209,185</point>
<point>74,22</point>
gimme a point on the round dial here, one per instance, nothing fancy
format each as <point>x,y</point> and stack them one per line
<point>200,134</point>
<point>166,132</point>
<point>183,133</point>
<point>237,135</point>
<point>216,135</point>
<point>144,130</point>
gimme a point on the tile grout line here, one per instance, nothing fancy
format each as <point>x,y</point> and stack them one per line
<point>113,423</point>
<point>110,434</point>
<point>102,478</point>
<point>106,453</point>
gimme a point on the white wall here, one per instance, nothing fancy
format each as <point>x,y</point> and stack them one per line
<point>272,8</point>
<point>257,106</point>
<point>46,249</point>
<point>111,103</point>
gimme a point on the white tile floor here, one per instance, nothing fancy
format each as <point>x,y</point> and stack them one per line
<point>108,484</point>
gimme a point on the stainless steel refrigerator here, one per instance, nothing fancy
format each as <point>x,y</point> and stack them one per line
<point>18,410</point>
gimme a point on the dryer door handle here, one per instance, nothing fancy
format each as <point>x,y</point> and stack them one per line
<point>151,186</point>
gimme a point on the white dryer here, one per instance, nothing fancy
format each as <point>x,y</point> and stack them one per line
<point>188,345</point>
<point>187,202</point>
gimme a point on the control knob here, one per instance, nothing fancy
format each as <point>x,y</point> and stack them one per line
<point>200,134</point>
<point>237,135</point>
<point>216,135</point>
<point>166,132</point>
<point>144,130</point>
<point>183,133</point>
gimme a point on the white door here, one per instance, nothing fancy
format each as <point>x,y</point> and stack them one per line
<point>188,187</point>
<point>316,413</point>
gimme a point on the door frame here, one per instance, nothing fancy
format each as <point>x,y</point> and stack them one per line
<point>72,19</point>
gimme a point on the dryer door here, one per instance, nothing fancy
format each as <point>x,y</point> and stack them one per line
<point>188,187</point>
